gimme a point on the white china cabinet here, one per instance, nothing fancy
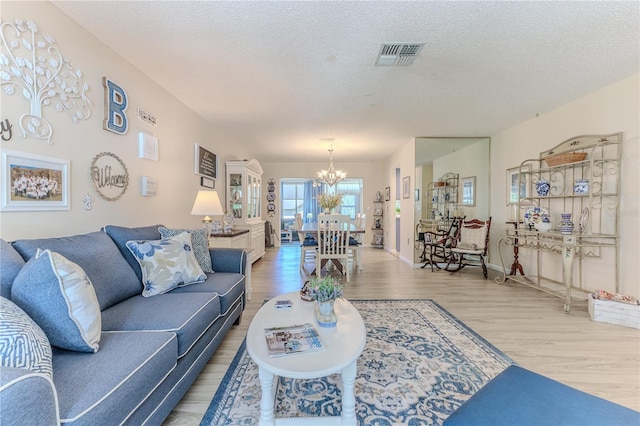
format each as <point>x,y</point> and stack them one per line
<point>243,202</point>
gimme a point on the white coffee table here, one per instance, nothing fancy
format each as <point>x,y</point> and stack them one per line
<point>343,345</point>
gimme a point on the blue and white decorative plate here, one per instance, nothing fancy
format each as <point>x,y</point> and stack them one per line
<point>533,215</point>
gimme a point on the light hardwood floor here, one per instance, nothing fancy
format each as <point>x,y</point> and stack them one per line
<point>528,325</point>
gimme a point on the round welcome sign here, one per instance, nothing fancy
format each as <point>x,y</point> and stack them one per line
<point>109,176</point>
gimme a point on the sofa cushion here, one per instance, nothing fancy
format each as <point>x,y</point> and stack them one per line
<point>186,314</point>
<point>12,262</point>
<point>112,278</point>
<point>120,235</point>
<point>27,398</point>
<point>199,243</point>
<point>107,386</point>
<point>166,264</point>
<point>23,344</point>
<point>228,285</point>
<point>60,298</point>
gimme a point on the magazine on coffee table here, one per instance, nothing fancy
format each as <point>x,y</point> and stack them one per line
<point>293,339</point>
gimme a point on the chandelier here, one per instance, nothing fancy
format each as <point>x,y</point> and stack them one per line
<point>331,176</point>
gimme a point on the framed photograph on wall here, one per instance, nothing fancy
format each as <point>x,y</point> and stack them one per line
<point>513,180</point>
<point>387,193</point>
<point>469,191</point>
<point>34,182</point>
<point>206,163</point>
<point>406,187</point>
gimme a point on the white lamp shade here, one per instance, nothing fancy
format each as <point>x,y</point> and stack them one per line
<point>207,204</point>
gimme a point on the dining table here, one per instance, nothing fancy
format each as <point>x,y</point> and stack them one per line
<point>312,228</point>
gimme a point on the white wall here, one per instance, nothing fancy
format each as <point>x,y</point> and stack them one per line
<point>177,130</point>
<point>404,159</point>
<point>611,109</point>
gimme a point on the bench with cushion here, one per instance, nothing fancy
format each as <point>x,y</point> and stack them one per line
<point>521,397</point>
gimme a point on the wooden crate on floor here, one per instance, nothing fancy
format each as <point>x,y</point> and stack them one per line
<point>614,312</point>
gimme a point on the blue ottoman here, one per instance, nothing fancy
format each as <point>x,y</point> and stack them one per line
<point>521,397</point>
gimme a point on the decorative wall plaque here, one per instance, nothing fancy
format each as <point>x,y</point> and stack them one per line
<point>32,64</point>
<point>109,176</point>
<point>206,162</point>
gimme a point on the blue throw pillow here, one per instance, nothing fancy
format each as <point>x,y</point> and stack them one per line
<point>12,262</point>
<point>166,264</point>
<point>22,343</point>
<point>199,243</point>
<point>60,298</point>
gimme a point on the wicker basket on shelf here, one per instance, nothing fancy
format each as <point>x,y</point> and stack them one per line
<point>565,158</point>
<point>440,183</point>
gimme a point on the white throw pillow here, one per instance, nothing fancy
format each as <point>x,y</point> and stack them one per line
<point>166,264</point>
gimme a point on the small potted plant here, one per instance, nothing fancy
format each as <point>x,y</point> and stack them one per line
<point>324,291</point>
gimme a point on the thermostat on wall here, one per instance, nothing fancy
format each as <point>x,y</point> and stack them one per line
<point>148,187</point>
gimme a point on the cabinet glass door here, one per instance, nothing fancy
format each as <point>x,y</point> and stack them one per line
<point>236,195</point>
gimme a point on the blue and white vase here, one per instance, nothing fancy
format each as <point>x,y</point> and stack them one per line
<point>544,225</point>
<point>581,186</point>
<point>566,225</point>
<point>543,187</point>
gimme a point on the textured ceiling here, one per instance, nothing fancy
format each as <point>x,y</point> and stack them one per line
<point>286,76</point>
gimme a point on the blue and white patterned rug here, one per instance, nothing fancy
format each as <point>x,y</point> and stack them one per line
<point>419,364</point>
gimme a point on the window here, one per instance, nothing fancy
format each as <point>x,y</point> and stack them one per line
<point>300,196</point>
<point>351,190</point>
<point>292,200</point>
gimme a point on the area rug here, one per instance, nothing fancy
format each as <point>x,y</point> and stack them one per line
<point>419,364</point>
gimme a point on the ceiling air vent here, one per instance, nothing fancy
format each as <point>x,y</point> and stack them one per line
<point>398,54</point>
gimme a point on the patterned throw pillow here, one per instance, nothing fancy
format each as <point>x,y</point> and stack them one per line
<point>60,298</point>
<point>22,343</point>
<point>199,243</point>
<point>166,264</point>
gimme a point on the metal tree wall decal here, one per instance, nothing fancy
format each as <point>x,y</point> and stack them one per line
<point>30,61</point>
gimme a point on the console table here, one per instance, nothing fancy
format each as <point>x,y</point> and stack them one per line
<point>571,247</point>
<point>575,189</point>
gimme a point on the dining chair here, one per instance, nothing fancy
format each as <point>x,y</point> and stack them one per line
<point>471,247</point>
<point>308,244</point>
<point>333,242</point>
<point>355,242</point>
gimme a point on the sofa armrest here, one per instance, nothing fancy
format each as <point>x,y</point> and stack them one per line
<point>27,398</point>
<point>228,260</point>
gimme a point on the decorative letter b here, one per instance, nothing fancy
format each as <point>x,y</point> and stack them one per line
<point>115,103</point>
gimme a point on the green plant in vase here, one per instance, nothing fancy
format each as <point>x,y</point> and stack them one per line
<point>324,291</point>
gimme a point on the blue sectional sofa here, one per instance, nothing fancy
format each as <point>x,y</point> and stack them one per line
<point>151,349</point>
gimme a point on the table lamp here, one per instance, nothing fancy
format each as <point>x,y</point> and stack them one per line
<point>207,204</point>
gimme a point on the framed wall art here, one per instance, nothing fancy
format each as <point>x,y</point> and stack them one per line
<point>147,146</point>
<point>205,182</point>
<point>387,193</point>
<point>406,187</point>
<point>513,177</point>
<point>33,182</point>
<point>469,191</point>
<point>206,163</point>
